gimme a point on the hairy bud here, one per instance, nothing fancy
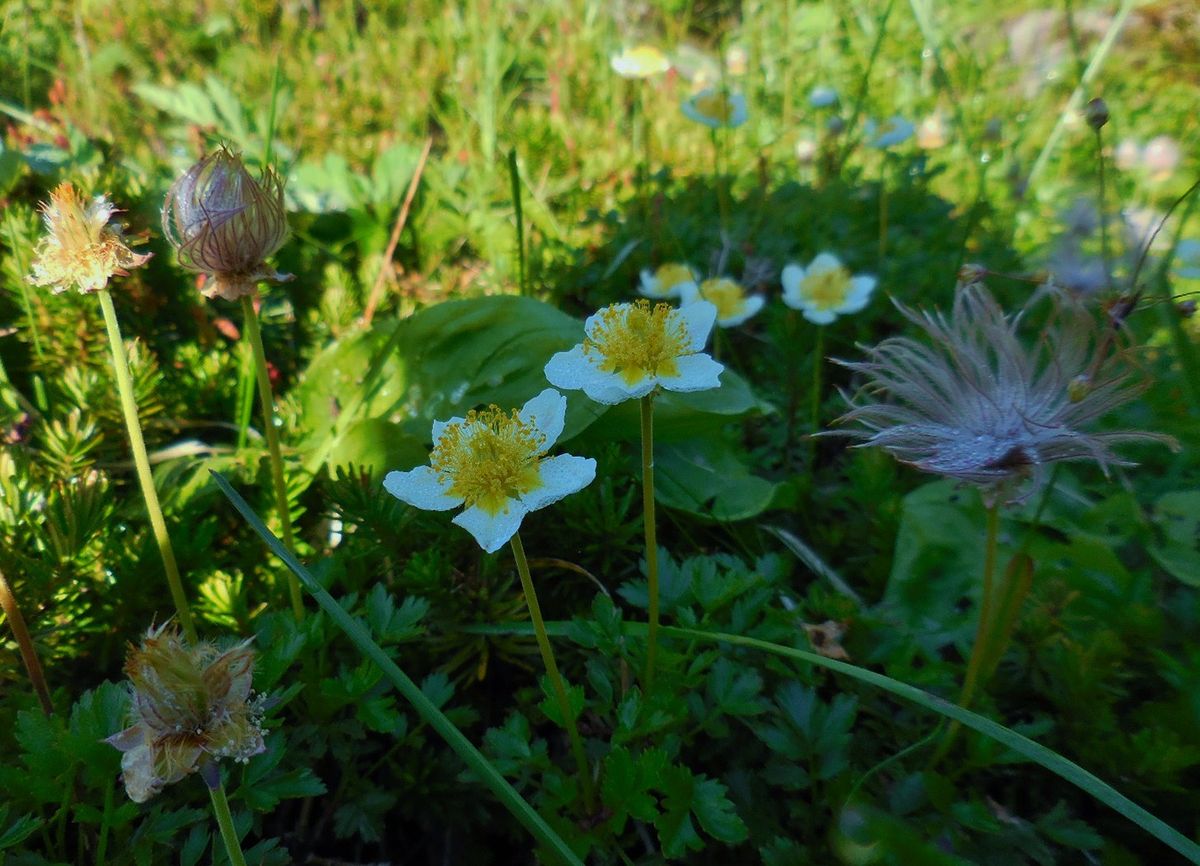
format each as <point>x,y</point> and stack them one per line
<point>224,223</point>
<point>1096,113</point>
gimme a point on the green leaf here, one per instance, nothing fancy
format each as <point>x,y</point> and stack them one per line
<point>676,832</point>
<point>626,785</point>
<point>18,831</point>
<point>1177,516</point>
<point>715,813</point>
<point>549,704</point>
<point>708,478</point>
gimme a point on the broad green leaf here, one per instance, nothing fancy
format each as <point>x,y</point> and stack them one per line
<point>708,478</point>
<point>1177,516</point>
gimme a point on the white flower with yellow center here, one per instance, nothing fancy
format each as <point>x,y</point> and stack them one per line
<point>495,464</point>
<point>716,108</point>
<point>668,281</point>
<point>733,305</point>
<point>825,290</point>
<point>632,349</point>
<point>640,61</point>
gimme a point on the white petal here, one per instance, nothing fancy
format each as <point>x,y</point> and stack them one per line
<point>561,476</point>
<point>650,287</point>
<point>860,293</point>
<point>697,372</point>
<point>492,530</point>
<point>698,316</point>
<point>750,306</point>
<point>791,277</point>
<point>825,262</point>
<point>819,317</point>
<point>739,114</point>
<point>570,369</point>
<point>421,488</point>
<point>439,427</point>
<point>687,292</point>
<point>691,112</point>
<point>610,388</point>
<point>548,413</point>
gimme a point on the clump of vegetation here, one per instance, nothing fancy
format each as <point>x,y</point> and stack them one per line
<point>744,624</point>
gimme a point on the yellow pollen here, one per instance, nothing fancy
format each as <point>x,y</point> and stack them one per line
<point>636,341</point>
<point>644,61</point>
<point>725,295</point>
<point>489,458</point>
<point>670,276</point>
<point>718,106</point>
<point>827,289</point>
<point>80,250</point>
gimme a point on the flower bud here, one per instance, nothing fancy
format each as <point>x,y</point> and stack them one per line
<point>225,224</point>
<point>80,250</point>
<point>1096,113</point>
<point>191,705</point>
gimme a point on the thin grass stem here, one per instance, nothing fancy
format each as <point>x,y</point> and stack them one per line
<point>233,845</point>
<point>12,612</point>
<point>651,532</point>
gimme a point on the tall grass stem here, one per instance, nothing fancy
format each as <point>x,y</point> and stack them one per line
<point>651,532</point>
<point>16,622</point>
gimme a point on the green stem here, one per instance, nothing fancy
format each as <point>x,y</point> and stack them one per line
<point>722,201</point>
<point>141,463</point>
<point>12,611</point>
<point>556,680</point>
<point>267,399</point>
<point>245,395</point>
<point>793,403</point>
<point>983,631</point>
<point>883,211</point>
<point>515,177</point>
<point>105,822</point>
<point>1104,256</point>
<point>647,413</point>
<point>815,407</point>
<point>224,817</point>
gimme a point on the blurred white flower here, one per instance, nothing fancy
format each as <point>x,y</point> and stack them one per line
<point>806,150</point>
<point>640,61</point>
<point>667,281</point>
<point>1161,157</point>
<point>931,134</point>
<point>889,133</point>
<point>825,290</point>
<point>737,60</point>
<point>1128,154</point>
<point>734,305</point>
<point>716,108</point>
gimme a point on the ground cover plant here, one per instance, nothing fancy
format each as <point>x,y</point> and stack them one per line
<point>599,433</point>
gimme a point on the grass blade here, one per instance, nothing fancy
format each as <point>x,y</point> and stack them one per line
<point>506,793</point>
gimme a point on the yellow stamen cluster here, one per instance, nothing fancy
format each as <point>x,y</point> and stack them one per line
<point>489,458</point>
<point>637,340</point>
<point>724,294</point>
<point>80,249</point>
<point>826,290</point>
<point>670,276</point>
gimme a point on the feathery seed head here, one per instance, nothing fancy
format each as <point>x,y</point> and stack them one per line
<point>979,406</point>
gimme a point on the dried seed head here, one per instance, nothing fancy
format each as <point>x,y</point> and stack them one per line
<point>224,223</point>
<point>977,405</point>
<point>80,249</point>
<point>190,705</point>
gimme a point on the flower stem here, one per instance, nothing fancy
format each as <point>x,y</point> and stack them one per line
<point>1103,206</point>
<point>225,822</point>
<point>722,199</point>
<point>983,631</point>
<point>8,602</point>
<point>815,407</point>
<point>883,209</point>
<point>254,335</point>
<point>556,680</point>
<point>647,407</point>
<point>141,463</point>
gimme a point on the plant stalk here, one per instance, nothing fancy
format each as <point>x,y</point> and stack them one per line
<point>647,413</point>
<point>8,602</point>
<point>267,399</point>
<point>815,407</point>
<point>556,680</point>
<point>141,463</point>
<point>220,804</point>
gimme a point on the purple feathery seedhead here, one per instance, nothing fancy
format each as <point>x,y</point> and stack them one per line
<point>224,223</point>
<point>978,406</point>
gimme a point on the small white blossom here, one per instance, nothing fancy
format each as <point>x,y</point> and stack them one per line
<point>667,281</point>
<point>733,305</point>
<point>496,465</point>
<point>825,290</point>
<point>632,349</point>
<point>640,61</point>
